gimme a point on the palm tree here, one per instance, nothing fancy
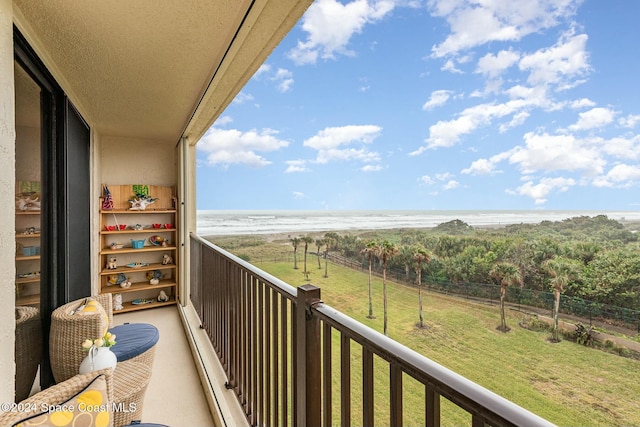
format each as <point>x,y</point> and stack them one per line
<point>319,243</point>
<point>386,250</point>
<point>405,256</point>
<point>370,251</point>
<point>330,239</point>
<point>307,240</point>
<point>561,273</point>
<point>420,255</point>
<point>295,241</point>
<point>507,274</point>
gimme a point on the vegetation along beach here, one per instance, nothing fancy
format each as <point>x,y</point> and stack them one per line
<point>545,313</point>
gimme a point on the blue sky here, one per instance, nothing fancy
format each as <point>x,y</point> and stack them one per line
<point>438,104</point>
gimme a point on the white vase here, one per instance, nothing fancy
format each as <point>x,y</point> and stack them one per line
<point>97,359</point>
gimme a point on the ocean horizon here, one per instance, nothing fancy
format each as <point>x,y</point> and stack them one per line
<point>244,222</point>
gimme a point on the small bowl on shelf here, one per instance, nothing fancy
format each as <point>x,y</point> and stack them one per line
<point>156,226</point>
<point>156,240</point>
<point>110,227</point>
<point>122,227</point>
<point>168,226</point>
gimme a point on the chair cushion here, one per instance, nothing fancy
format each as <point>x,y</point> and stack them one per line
<point>133,339</point>
<point>89,407</point>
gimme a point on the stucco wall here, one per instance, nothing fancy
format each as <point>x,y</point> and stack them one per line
<point>128,161</point>
<point>7,213</point>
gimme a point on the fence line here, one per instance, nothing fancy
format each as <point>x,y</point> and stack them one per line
<point>569,305</point>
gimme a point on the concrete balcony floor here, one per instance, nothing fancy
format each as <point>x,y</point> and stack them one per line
<point>175,396</point>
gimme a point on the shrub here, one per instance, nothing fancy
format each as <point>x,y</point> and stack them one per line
<point>244,257</point>
<point>584,335</point>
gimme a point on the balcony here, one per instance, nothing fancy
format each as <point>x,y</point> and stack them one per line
<point>271,354</point>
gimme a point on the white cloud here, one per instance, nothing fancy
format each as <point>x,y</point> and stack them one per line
<point>438,98</point>
<point>242,97</point>
<point>264,69</point>
<point>544,152</point>
<point>371,168</point>
<point>450,66</point>
<point>427,180</point>
<point>539,192</point>
<point>480,167</point>
<point>558,64</point>
<point>444,176</point>
<point>493,66</point>
<point>517,120</point>
<point>223,120</point>
<point>226,147</point>
<point>594,118</point>
<point>621,175</point>
<point>329,25</point>
<point>620,147</point>
<point>451,185</point>
<point>298,195</point>
<point>582,103</point>
<point>330,143</point>
<point>284,79</point>
<point>630,121</point>
<point>296,166</point>
<point>474,23</point>
<point>448,133</point>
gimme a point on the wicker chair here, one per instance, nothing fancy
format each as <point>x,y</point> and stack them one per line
<point>28,350</point>
<point>67,333</point>
<point>68,330</point>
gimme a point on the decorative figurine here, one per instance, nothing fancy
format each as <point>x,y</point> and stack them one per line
<point>116,279</point>
<point>154,277</point>
<point>163,297</point>
<point>138,227</point>
<point>112,264</point>
<point>107,202</point>
<point>126,284</point>
<point>29,201</point>
<point>167,259</point>
<point>140,202</point>
<point>117,302</point>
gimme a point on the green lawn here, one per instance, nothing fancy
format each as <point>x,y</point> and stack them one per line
<point>566,383</point>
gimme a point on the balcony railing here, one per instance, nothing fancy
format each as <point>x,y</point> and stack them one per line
<point>293,360</point>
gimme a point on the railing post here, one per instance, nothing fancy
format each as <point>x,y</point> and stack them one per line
<point>308,358</point>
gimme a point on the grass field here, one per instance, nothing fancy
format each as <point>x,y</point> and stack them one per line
<point>566,383</point>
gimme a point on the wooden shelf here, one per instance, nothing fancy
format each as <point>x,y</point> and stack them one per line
<point>26,220</point>
<point>23,280</point>
<point>20,235</point>
<point>128,306</point>
<point>149,210</point>
<point>146,230</point>
<point>130,250</point>
<point>125,269</point>
<point>139,286</point>
<point>162,211</point>
<point>28,300</point>
<point>27,258</point>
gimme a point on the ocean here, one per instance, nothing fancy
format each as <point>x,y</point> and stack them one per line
<point>217,223</point>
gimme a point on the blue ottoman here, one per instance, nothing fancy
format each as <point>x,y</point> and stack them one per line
<point>135,341</point>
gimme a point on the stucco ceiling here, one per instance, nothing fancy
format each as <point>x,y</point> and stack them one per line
<point>150,69</point>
